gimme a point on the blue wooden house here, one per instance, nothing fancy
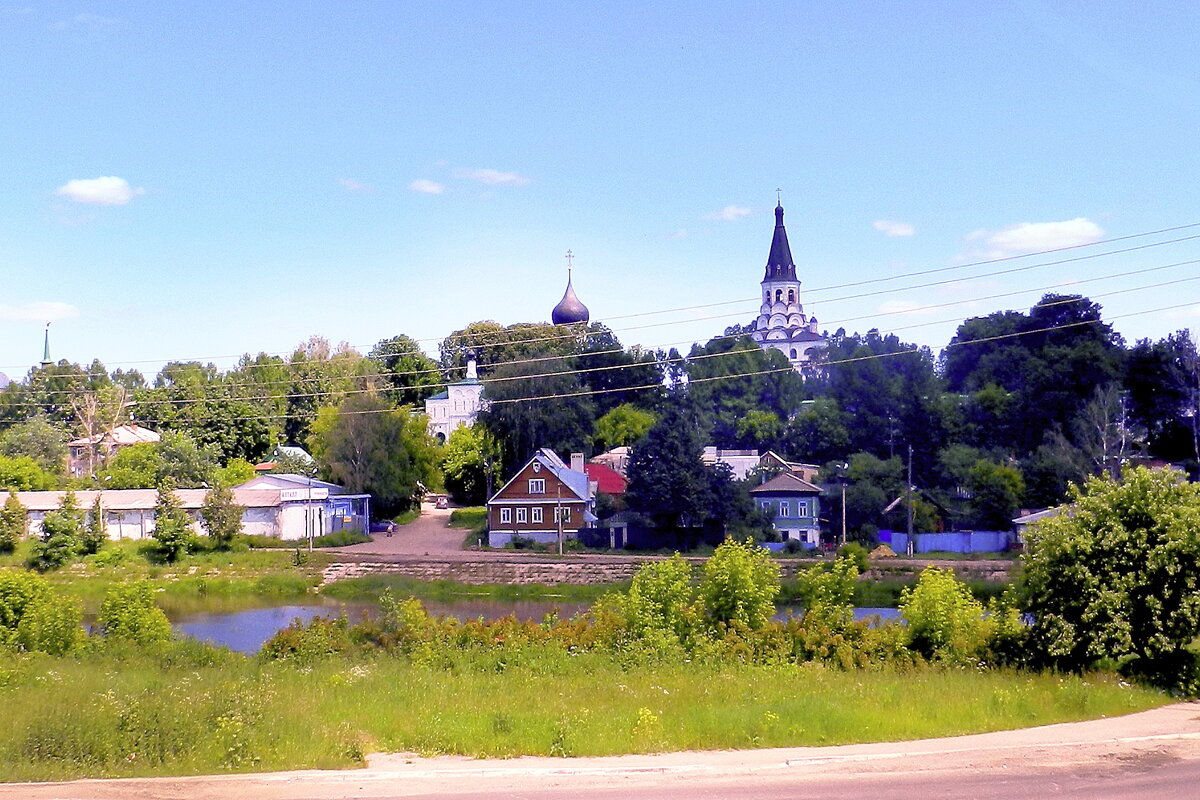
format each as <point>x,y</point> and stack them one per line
<point>795,505</point>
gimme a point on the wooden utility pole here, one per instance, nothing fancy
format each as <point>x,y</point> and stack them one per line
<point>558,517</point>
<point>908,494</point>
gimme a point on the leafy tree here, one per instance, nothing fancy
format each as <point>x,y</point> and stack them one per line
<point>22,473</point>
<point>739,585</point>
<point>38,438</point>
<point>495,344</point>
<point>1117,578</point>
<point>292,464</point>
<point>827,592</point>
<point>222,516</point>
<point>818,433</point>
<point>408,375</point>
<point>94,532</point>
<point>176,457</point>
<point>369,446</point>
<point>614,374</point>
<point>13,521</point>
<point>172,526</point>
<point>61,539</point>
<point>320,376</point>
<point>470,458</point>
<point>622,426</point>
<point>235,473</point>
<point>1163,381</point>
<point>765,383</point>
<point>535,405</point>
<point>34,618</point>
<point>668,481</point>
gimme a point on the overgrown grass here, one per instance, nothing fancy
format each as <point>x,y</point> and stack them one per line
<point>474,517</point>
<point>372,587</point>
<point>405,517</point>
<point>208,580</point>
<point>190,709</point>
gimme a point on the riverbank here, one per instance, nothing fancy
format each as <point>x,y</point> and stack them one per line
<point>190,709</point>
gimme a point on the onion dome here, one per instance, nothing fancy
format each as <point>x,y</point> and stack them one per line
<point>569,310</point>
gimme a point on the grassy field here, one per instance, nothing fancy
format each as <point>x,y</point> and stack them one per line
<point>190,709</point>
<point>372,587</point>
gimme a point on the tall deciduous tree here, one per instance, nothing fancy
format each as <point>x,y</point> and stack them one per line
<point>222,516</point>
<point>668,481</point>
<point>369,446</point>
<point>13,520</point>
<point>40,439</point>
<point>623,426</point>
<point>470,458</point>
<point>405,372</point>
<point>535,405</point>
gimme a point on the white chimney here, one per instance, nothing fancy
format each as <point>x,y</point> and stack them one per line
<point>577,462</point>
<point>471,373</point>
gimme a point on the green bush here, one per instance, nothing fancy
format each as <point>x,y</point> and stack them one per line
<point>827,591</point>
<point>128,613</point>
<point>320,638</point>
<point>856,553</point>
<point>740,585</point>
<point>945,621</point>
<point>19,591</point>
<point>33,618</point>
<point>662,600</point>
<point>51,625</point>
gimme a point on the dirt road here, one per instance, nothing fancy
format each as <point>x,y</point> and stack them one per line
<point>428,534</point>
<point>1152,754</point>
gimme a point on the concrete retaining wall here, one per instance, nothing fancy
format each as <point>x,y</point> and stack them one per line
<point>600,569</point>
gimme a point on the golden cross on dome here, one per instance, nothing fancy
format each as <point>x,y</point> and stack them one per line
<point>570,259</point>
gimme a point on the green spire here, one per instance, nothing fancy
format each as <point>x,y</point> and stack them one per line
<point>46,350</point>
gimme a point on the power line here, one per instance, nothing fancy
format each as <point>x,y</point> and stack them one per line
<point>866,282</point>
<point>364,376</point>
<point>755,373</point>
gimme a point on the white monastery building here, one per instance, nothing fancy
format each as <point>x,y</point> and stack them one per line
<point>782,324</point>
<point>457,406</point>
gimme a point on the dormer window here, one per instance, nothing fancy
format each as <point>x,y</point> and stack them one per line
<point>537,485</point>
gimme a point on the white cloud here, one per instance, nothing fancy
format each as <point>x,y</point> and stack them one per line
<point>355,186</point>
<point>892,228</point>
<point>1032,237</point>
<point>109,191</point>
<point>43,311</point>
<point>491,177</point>
<point>728,214</point>
<point>425,186</point>
<point>1183,313</point>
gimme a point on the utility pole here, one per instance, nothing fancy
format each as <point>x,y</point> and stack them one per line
<point>558,517</point>
<point>908,493</point>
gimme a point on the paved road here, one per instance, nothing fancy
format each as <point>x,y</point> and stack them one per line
<point>1155,754</point>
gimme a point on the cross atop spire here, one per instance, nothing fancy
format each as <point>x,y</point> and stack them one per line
<point>570,260</point>
<point>779,197</point>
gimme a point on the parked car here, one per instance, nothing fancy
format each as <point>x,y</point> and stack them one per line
<point>441,503</point>
<point>385,526</point>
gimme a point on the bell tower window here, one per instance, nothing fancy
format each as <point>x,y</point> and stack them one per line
<point>778,295</point>
<point>791,295</point>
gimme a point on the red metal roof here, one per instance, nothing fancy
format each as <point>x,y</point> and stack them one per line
<point>607,479</point>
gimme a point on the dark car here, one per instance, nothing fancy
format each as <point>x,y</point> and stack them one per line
<point>383,526</point>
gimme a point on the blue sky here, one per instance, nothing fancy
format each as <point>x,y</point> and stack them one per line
<point>357,170</point>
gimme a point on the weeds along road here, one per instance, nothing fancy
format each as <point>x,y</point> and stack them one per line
<point>1154,754</point>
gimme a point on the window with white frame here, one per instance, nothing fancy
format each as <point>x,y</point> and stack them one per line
<point>537,485</point>
<point>801,508</point>
<point>563,513</point>
<point>522,515</point>
<point>505,516</point>
<point>536,514</point>
<point>784,508</point>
